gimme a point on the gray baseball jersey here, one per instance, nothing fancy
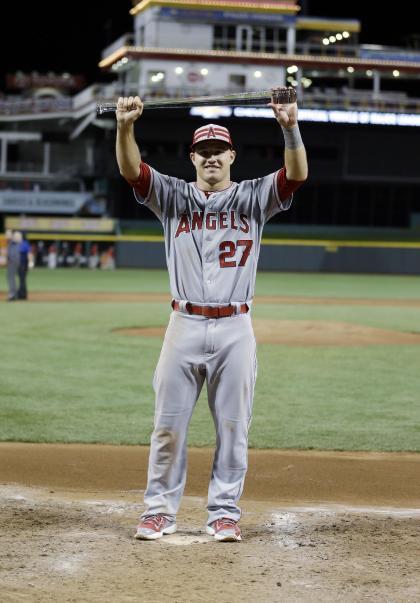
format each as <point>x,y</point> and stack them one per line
<point>213,244</point>
<point>212,247</point>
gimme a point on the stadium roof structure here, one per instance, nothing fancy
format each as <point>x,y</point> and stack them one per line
<point>231,56</point>
<point>285,6</point>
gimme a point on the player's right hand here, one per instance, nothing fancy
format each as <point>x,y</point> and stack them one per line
<point>129,108</point>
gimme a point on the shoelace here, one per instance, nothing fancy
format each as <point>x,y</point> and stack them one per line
<point>226,521</point>
<point>154,521</point>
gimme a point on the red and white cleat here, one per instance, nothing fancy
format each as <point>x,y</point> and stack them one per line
<point>155,526</point>
<point>224,530</point>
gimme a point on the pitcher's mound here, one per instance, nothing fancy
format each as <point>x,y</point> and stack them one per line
<point>307,333</point>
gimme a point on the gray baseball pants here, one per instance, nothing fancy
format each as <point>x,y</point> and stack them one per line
<point>12,271</point>
<point>222,353</point>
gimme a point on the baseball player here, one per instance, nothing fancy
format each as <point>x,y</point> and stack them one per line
<point>212,230</point>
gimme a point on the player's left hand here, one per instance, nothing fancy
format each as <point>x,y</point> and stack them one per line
<point>286,114</point>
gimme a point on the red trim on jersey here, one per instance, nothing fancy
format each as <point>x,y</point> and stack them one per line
<point>142,184</point>
<point>286,187</point>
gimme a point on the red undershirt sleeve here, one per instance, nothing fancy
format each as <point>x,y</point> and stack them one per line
<point>286,187</point>
<point>142,184</point>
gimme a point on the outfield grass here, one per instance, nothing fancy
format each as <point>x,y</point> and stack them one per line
<point>67,377</point>
<point>268,283</point>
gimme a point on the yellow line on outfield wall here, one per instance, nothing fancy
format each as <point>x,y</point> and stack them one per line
<point>339,243</point>
<point>330,243</point>
<point>93,237</point>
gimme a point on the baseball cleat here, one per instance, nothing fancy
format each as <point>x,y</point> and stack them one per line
<point>224,530</point>
<point>155,526</point>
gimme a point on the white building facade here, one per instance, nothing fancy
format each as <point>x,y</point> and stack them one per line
<point>188,47</point>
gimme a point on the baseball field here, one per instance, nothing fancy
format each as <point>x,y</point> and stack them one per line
<point>331,505</point>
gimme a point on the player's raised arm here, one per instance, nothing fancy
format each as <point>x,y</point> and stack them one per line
<point>295,154</point>
<point>128,111</point>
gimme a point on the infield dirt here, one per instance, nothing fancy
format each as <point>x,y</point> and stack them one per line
<point>317,526</point>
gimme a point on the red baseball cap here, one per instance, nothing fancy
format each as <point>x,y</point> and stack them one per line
<point>211,132</point>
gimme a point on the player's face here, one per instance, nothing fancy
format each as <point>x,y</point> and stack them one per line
<point>212,160</point>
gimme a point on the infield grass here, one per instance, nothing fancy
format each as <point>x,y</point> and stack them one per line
<point>67,376</point>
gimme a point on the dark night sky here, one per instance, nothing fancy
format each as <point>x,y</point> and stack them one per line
<point>380,25</point>
<point>80,30</point>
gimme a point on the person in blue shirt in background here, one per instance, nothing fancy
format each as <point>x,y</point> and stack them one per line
<point>13,260</point>
<point>25,258</point>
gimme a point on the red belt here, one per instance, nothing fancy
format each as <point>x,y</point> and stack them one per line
<point>210,311</point>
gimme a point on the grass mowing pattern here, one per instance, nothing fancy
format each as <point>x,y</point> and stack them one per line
<point>268,283</point>
<point>66,377</point>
